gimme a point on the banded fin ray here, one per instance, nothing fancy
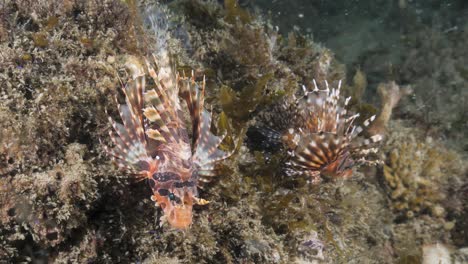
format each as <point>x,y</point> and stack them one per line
<point>189,91</point>
<point>167,120</point>
<point>319,150</point>
<point>207,152</point>
<point>130,145</point>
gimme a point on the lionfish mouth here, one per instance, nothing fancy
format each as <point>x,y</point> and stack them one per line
<point>177,213</point>
<point>180,217</point>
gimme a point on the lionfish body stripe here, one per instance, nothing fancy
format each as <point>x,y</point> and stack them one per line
<point>153,141</point>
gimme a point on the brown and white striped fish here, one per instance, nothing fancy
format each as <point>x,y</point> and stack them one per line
<point>153,141</point>
<point>325,141</point>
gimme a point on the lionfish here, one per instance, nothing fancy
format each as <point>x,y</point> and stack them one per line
<point>318,133</point>
<point>325,141</point>
<point>153,141</point>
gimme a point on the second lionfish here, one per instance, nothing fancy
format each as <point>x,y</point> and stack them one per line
<point>319,134</point>
<point>153,141</point>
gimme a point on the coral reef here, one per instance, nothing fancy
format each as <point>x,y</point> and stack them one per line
<point>56,75</point>
<point>58,198</point>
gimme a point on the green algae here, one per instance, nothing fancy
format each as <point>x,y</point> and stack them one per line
<point>235,13</point>
<point>51,23</point>
<point>225,128</point>
<point>200,15</point>
<point>240,105</point>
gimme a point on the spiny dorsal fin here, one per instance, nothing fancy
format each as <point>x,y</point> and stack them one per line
<point>194,98</point>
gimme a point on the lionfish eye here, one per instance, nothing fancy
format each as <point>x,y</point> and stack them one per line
<point>158,157</point>
<point>172,196</point>
<point>165,176</point>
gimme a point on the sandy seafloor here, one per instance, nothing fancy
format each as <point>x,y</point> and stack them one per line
<point>63,201</point>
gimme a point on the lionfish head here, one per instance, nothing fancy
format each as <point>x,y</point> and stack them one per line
<point>176,195</point>
<point>177,209</point>
<point>326,142</point>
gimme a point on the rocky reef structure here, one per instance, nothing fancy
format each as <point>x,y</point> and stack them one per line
<point>63,201</point>
<point>56,72</point>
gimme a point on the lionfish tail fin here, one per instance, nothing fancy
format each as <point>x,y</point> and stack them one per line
<point>264,138</point>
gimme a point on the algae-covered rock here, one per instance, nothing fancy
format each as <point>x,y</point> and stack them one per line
<point>53,203</point>
<point>61,200</point>
<point>419,172</point>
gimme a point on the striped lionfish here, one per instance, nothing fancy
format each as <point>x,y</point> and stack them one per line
<point>318,133</point>
<point>153,141</point>
<point>324,141</point>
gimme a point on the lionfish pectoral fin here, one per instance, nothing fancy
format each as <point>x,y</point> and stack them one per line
<point>139,177</point>
<point>340,168</point>
<point>130,146</point>
<point>318,150</point>
<point>207,151</point>
<point>314,177</point>
<point>322,154</point>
